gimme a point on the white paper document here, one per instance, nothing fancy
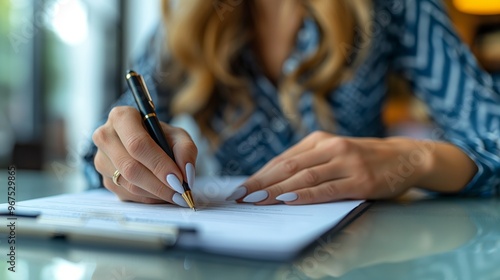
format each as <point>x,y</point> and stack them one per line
<point>223,227</point>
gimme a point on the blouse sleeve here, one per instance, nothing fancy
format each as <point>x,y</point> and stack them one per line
<point>463,100</point>
<point>148,65</point>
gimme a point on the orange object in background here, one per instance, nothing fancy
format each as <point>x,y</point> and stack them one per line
<point>478,7</point>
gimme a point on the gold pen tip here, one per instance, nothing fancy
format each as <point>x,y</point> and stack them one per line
<point>189,199</point>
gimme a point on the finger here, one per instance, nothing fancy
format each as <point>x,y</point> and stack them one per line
<point>326,192</point>
<point>104,166</point>
<point>303,146</point>
<point>140,145</point>
<point>124,195</point>
<point>260,179</point>
<point>306,178</point>
<point>297,169</point>
<point>132,170</point>
<point>184,149</point>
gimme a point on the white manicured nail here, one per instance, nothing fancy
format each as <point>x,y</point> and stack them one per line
<point>256,196</point>
<point>287,197</point>
<point>174,183</point>
<point>190,174</point>
<point>177,198</point>
<point>237,194</point>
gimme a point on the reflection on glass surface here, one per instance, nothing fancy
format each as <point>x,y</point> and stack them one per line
<point>442,239</point>
<point>434,239</point>
<point>64,270</point>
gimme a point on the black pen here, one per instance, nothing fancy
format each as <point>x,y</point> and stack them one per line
<point>147,109</point>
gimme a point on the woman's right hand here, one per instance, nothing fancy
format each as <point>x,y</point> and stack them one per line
<point>148,174</point>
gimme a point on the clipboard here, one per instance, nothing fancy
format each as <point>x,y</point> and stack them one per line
<point>97,217</point>
<point>86,230</point>
<point>130,235</point>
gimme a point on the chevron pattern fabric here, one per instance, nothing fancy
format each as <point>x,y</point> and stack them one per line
<point>464,101</point>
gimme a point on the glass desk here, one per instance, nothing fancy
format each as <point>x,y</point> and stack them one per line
<point>446,238</point>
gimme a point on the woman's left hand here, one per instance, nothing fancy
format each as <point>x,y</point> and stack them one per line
<point>324,167</point>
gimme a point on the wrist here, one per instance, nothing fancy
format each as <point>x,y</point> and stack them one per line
<point>429,167</point>
<point>416,159</point>
<point>447,168</point>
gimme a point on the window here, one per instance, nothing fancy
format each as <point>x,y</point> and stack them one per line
<point>61,67</point>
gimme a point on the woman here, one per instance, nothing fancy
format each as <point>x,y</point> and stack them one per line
<point>291,93</point>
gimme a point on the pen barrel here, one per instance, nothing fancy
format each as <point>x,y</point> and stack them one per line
<point>154,128</point>
<point>141,95</point>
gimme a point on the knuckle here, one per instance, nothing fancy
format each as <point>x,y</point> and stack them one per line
<point>331,144</point>
<point>136,146</point>
<point>254,184</point>
<point>332,190</point>
<point>133,189</point>
<point>180,130</point>
<point>98,162</point>
<point>290,166</point>
<point>258,183</point>
<point>277,160</point>
<point>341,144</point>
<point>278,189</point>
<point>307,196</point>
<point>99,136</point>
<point>118,112</point>
<point>130,170</point>
<point>311,177</point>
<point>176,130</point>
<point>191,147</point>
<point>317,135</point>
<point>158,165</point>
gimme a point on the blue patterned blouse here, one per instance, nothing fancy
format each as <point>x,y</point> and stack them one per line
<point>412,38</point>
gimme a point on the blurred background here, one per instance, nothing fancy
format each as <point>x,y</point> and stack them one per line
<point>62,64</point>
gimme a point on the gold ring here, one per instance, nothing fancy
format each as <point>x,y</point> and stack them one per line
<point>116,175</point>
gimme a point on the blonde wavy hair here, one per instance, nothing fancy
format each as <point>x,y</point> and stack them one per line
<point>204,51</point>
